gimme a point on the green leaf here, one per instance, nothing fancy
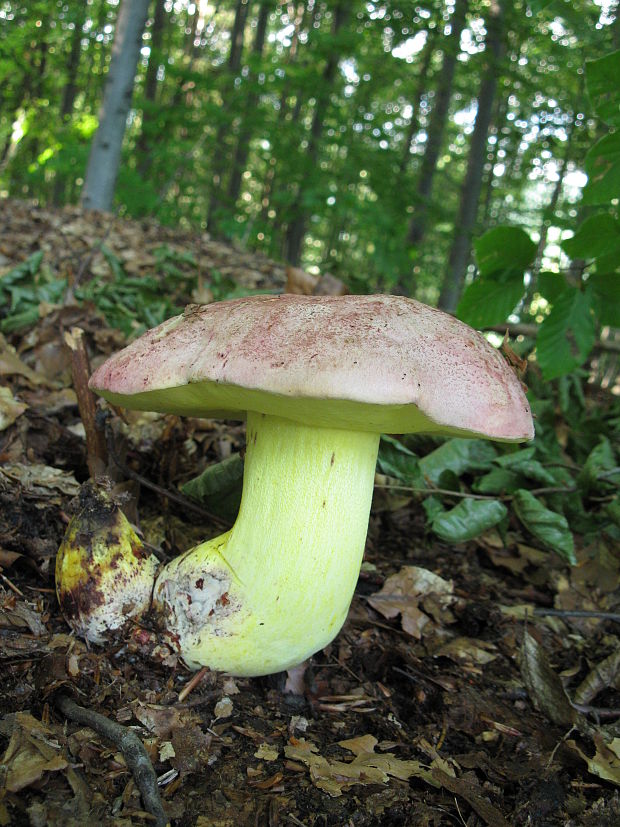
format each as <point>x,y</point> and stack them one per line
<point>396,460</point>
<point>547,526</point>
<point>602,84</point>
<point>487,302</point>
<point>598,235</point>
<point>613,510</point>
<point>606,293</point>
<point>458,455</point>
<point>469,519</point>
<point>601,458</point>
<point>219,487</point>
<point>602,165</point>
<point>497,481</point>
<point>567,334</point>
<point>523,463</point>
<point>550,285</point>
<point>504,250</point>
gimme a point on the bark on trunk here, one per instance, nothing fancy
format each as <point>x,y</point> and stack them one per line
<point>220,155</point>
<point>243,141</point>
<point>143,144</point>
<point>421,86</point>
<point>296,230</point>
<point>105,153</point>
<point>436,129</point>
<point>470,192</point>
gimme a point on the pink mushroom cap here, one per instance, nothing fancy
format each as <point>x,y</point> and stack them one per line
<point>374,363</point>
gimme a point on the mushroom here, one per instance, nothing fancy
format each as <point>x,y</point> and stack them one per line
<point>319,379</point>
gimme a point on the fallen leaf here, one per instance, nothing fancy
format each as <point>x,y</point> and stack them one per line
<point>606,761</point>
<point>37,479</point>
<point>28,757</point>
<point>468,651</point>
<point>544,686</point>
<point>267,752</point>
<point>334,777</point>
<point>10,408</point>
<point>403,592</point>
<point>223,708</point>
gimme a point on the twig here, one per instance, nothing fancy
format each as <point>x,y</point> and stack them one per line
<point>164,492</point>
<point>596,711</point>
<point>552,489</point>
<point>132,749</point>
<point>577,613</point>
<point>11,585</point>
<point>96,454</point>
<point>192,683</point>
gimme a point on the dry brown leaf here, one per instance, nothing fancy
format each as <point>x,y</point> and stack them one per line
<point>162,720</point>
<point>12,365</point>
<point>606,761</point>
<point>605,675</point>
<point>37,479</point>
<point>468,651</point>
<point>335,777</point>
<point>404,591</point>
<point>10,408</point>
<point>30,753</point>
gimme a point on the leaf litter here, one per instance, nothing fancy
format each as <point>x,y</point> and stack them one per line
<point>445,697</point>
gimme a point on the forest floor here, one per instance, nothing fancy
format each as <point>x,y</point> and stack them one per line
<point>441,702</point>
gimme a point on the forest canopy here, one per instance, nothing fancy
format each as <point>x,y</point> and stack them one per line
<point>392,144</point>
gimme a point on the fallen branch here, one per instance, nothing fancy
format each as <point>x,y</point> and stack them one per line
<point>130,746</point>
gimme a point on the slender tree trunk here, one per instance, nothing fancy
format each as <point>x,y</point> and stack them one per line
<point>421,87</point>
<point>220,156</point>
<point>143,144</point>
<point>296,230</point>
<point>105,153</point>
<point>70,92</point>
<point>549,210</point>
<point>270,175</point>
<point>470,191</point>
<point>243,141</point>
<point>498,121</point>
<point>439,115</point>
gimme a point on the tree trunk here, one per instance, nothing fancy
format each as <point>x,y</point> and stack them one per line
<point>296,230</point>
<point>219,153</point>
<point>143,144</point>
<point>470,191</point>
<point>243,141</point>
<point>270,176</point>
<point>105,153</point>
<point>70,92</point>
<point>439,115</point>
<point>421,87</point>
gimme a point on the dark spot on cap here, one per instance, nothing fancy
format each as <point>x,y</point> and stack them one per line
<point>331,462</point>
<point>200,583</point>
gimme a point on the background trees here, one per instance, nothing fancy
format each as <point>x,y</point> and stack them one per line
<point>372,139</point>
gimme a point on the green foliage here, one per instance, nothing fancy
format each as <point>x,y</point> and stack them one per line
<point>469,519</point>
<point>567,334</point>
<point>219,487</point>
<point>548,526</point>
<point>533,487</point>
<point>577,305</point>
<point>130,303</point>
<point>603,90</point>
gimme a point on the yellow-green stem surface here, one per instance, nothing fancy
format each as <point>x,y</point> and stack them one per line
<point>277,587</point>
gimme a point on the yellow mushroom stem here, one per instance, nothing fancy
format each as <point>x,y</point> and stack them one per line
<point>276,588</point>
